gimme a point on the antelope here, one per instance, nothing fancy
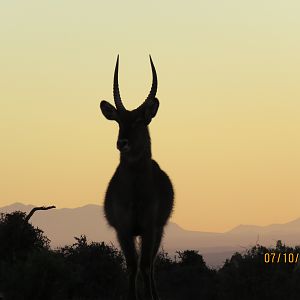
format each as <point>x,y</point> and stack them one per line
<point>139,197</point>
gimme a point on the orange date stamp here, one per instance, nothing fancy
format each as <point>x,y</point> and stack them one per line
<point>278,257</point>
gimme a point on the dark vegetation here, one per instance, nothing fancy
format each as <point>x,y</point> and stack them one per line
<point>29,269</point>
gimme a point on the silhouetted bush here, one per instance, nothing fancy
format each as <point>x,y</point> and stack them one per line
<point>248,276</point>
<point>186,278</point>
<point>18,237</point>
<point>41,276</point>
<point>98,270</point>
<point>30,270</point>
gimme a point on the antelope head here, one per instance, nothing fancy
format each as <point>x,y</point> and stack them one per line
<point>133,138</point>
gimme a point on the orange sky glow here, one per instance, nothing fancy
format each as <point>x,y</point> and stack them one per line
<point>227,131</point>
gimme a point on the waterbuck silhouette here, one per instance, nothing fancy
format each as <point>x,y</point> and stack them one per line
<point>139,197</point>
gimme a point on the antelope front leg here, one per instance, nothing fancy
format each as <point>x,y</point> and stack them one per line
<point>146,262</point>
<point>129,250</point>
<point>157,241</point>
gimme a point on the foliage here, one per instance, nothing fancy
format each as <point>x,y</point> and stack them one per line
<point>248,276</point>
<point>29,269</point>
<point>18,237</point>
<point>98,270</point>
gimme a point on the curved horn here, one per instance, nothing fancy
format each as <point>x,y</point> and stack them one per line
<point>154,81</point>
<point>153,90</point>
<point>117,97</point>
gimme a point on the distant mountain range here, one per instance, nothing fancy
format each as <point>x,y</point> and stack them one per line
<point>62,225</point>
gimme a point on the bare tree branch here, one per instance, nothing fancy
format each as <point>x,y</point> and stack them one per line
<point>257,241</point>
<point>37,208</point>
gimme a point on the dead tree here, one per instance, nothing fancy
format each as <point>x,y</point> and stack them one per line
<point>35,209</point>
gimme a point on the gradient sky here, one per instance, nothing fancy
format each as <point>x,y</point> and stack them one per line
<point>228,128</point>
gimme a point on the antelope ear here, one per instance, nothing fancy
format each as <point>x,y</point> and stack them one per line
<point>151,109</point>
<point>108,110</point>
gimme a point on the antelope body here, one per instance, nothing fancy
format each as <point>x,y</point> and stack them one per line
<point>139,197</point>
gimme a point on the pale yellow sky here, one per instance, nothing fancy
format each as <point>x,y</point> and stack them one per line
<point>227,131</point>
